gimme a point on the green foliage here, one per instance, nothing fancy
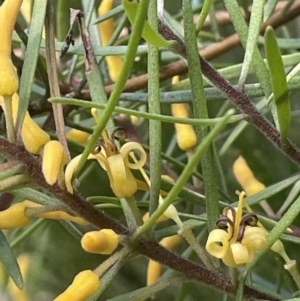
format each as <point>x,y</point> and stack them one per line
<point>260,87</point>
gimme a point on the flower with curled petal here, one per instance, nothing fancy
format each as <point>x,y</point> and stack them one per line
<point>238,236</point>
<point>115,162</point>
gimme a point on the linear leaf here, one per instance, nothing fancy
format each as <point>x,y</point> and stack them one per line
<point>279,84</point>
<point>253,32</point>
<point>10,262</point>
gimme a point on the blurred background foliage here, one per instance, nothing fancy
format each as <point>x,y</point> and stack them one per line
<point>55,254</point>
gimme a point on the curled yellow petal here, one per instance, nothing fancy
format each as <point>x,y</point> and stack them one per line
<point>240,253</point>
<point>104,241</point>
<point>255,237</point>
<point>217,243</point>
<point>54,159</point>
<point>14,217</point>
<point>154,267</point>
<point>106,29</point>
<point>85,284</point>
<point>131,147</point>
<point>122,182</point>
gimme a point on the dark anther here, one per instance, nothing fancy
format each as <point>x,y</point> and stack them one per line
<point>96,150</point>
<point>232,210</point>
<point>119,133</point>
<point>249,219</point>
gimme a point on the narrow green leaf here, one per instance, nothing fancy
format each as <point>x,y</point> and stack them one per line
<point>62,18</point>
<point>10,262</point>
<point>279,84</point>
<point>31,57</point>
<point>253,32</point>
<point>269,9</point>
<point>148,33</point>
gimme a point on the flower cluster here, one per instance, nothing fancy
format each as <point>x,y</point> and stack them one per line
<point>238,236</point>
<point>114,161</point>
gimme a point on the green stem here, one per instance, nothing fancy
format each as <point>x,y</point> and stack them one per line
<point>162,118</point>
<point>124,74</point>
<point>200,111</point>
<point>132,213</point>
<point>155,136</point>
<point>11,135</point>
<point>187,233</point>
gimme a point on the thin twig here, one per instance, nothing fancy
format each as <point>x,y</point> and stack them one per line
<point>53,78</point>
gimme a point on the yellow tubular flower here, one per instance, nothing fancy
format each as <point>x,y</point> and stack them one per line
<point>54,159</point>
<point>162,218</point>
<point>154,267</point>
<point>33,137</point>
<point>58,215</point>
<point>104,241</point>
<point>106,29</point>
<point>84,285</point>
<point>9,82</point>
<point>78,136</point>
<point>238,237</point>
<point>14,217</point>
<point>245,177</point>
<point>115,162</point>
<point>186,136</point>
<point>250,184</point>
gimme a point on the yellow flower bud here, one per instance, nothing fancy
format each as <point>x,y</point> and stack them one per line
<point>245,177</point>
<point>186,136</point>
<point>162,218</point>
<point>78,136</point>
<point>54,159</point>
<point>85,284</point>
<point>106,29</point>
<point>14,217</point>
<point>104,241</point>
<point>33,137</point>
<point>154,267</point>
<point>9,82</point>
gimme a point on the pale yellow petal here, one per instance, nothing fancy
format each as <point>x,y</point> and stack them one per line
<point>255,237</point>
<point>240,253</point>
<point>121,179</point>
